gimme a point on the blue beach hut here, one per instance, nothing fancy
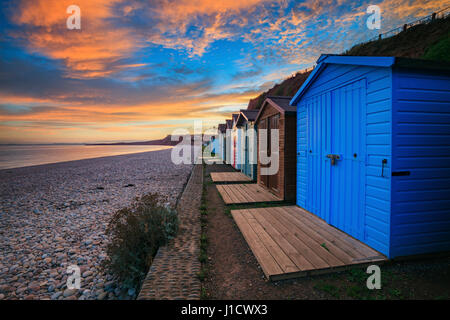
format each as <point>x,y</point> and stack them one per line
<point>249,143</point>
<point>222,128</point>
<point>236,134</point>
<point>373,150</point>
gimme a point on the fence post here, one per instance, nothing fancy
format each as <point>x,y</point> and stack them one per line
<point>405,26</point>
<point>433,16</point>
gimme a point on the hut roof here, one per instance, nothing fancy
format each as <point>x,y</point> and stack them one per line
<point>222,127</point>
<point>280,103</point>
<point>246,115</point>
<point>370,61</point>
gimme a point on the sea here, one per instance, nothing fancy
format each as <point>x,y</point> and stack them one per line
<point>15,156</point>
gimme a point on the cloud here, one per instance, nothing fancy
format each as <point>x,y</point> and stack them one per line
<point>90,52</point>
<point>136,62</point>
<point>246,74</point>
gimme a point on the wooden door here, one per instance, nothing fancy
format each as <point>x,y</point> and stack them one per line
<point>273,124</point>
<point>348,173</point>
<point>263,125</point>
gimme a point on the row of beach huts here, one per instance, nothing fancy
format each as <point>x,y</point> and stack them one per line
<point>364,145</point>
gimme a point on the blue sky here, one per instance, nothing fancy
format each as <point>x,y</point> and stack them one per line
<point>138,69</point>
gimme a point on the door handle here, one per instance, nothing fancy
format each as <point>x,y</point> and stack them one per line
<point>333,158</point>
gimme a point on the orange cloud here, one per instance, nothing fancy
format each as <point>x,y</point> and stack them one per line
<point>88,52</point>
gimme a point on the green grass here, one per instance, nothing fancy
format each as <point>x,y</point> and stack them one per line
<point>328,288</point>
<point>396,293</point>
<point>202,274</point>
<point>357,275</point>
<point>203,294</point>
<point>355,292</point>
<point>439,51</point>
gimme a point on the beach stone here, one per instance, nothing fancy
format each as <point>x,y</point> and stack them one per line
<point>56,295</point>
<point>5,288</point>
<point>87,273</point>
<point>69,292</point>
<point>52,216</point>
<point>34,286</point>
<point>101,295</point>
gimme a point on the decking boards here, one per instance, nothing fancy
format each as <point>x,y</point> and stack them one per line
<point>222,177</point>
<point>289,242</point>
<point>245,193</point>
<point>212,160</point>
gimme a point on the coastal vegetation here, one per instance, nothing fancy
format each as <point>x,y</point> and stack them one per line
<point>136,233</point>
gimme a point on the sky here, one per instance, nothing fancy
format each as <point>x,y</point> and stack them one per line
<point>139,69</point>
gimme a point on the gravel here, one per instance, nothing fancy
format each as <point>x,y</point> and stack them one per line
<point>53,216</point>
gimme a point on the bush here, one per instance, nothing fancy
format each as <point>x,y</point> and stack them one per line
<point>439,51</point>
<point>135,234</point>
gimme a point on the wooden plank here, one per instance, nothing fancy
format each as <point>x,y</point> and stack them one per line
<point>266,261</point>
<point>235,190</point>
<point>288,245</point>
<point>332,243</point>
<point>260,193</point>
<point>251,196</point>
<point>231,194</point>
<point>274,249</point>
<point>282,241</point>
<point>348,244</point>
<point>240,188</point>
<point>229,177</point>
<point>331,254</point>
<point>265,194</point>
<point>226,198</point>
<point>245,193</point>
<point>352,243</point>
<point>290,233</point>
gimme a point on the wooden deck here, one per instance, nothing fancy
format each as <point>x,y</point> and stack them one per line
<point>245,193</point>
<point>289,242</point>
<point>212,160</point>
<point>220,177</point>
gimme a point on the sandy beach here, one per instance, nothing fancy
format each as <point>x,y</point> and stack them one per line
<point>55,215</point>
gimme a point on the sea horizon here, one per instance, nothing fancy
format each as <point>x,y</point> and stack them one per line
<point>25,155</point>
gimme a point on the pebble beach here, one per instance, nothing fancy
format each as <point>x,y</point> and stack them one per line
<point>55,215</point>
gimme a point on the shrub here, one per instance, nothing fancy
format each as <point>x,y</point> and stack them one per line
<point>135,234</point>
<point>439,51</point>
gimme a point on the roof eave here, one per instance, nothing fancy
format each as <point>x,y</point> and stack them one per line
<point>307,83</point>
<point>273,104</point>
<point>348,60</point>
